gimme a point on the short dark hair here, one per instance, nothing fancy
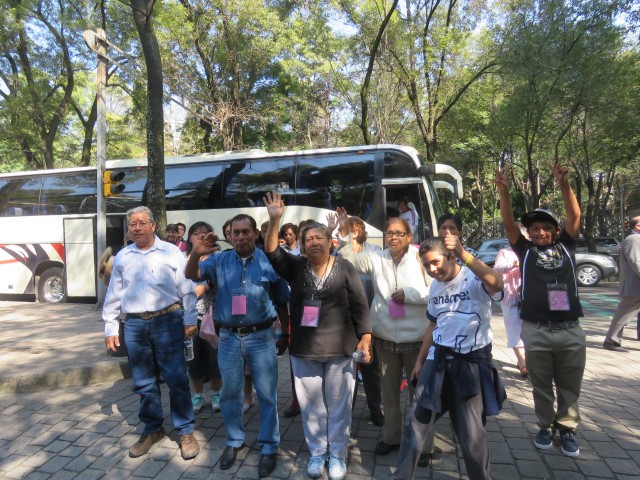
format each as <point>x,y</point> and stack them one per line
<point>173,227</point>
<point>184,227</point>
<point>434,244</point>
<point>450,216</point>
<point>241,217</point>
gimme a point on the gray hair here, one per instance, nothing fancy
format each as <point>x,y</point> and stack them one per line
<point>634,221</point>
<point>135,210</point>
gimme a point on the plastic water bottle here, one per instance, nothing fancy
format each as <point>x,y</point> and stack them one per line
<point>277,329</point>
<point>358,356</point>
<point>188,348</point>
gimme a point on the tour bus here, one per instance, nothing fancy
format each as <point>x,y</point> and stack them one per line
<point>48,218</point>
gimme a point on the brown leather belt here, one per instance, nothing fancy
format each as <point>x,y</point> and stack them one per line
<point>148,315</point>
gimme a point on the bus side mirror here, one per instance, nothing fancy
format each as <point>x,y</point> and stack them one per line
<point>111,183</point>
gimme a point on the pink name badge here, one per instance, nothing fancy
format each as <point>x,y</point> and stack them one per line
<point>239,305</point>
<point>310,316</point>
<point>396,310</point>
<point>558,301</point>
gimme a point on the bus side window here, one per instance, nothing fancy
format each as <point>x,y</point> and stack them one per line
<point>193,186</point>
<point>65,193</point>
<point>247,183</point>
<point>328,183</point>
<point>18,196</point>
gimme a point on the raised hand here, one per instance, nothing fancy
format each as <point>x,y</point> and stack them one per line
<point>332,221</point>
<point>275,205</point>
<point>205,245</point>
<point>452,242</point>
<point>560,173</point>
<point>502,179</point>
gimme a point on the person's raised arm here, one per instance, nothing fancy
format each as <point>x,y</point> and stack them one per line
<point>571,205</point>
<point>275,207</point>
<point>491,279</point>
<point>205,245</point>
<point>506,209</point>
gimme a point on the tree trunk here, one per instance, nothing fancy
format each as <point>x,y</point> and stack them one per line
<point>153,196</point>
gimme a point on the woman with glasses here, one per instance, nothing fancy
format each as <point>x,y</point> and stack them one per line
<point>401,293</point>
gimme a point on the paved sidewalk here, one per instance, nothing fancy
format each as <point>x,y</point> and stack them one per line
<point>84,431</point>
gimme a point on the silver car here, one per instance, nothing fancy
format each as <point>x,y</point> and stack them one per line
<point>590,267</point>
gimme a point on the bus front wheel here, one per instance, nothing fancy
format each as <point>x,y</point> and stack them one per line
<point>51,286</point>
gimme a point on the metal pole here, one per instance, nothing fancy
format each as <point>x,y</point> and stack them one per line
<point>101,153</point>
<point>621,211</point>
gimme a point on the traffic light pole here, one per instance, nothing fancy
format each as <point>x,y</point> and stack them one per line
<point>101,152</point>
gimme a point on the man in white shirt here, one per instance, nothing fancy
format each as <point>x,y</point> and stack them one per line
<point>148,285</point>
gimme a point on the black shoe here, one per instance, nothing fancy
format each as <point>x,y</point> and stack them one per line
<point>267,464</point>
<point>377,417</point>
<point>424,460</point>
<point>384,448</point>
<point>292,411</point>
<point>613,346</point>
<point>228,457</point>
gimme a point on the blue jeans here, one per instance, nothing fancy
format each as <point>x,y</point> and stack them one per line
<point>258,351</point>
<point>157,346</point>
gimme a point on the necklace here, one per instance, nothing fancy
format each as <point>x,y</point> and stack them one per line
<point>318,279</point>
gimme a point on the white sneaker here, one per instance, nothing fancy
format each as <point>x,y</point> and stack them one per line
<point>337,468</point>
<point>198,402</point>
<point>215,402</point>
<point>315,467</point>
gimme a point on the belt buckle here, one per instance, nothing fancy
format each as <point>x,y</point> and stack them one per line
<point>146,316</point>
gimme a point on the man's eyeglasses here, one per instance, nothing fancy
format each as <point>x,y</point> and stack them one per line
<point>396,234</point>
<point>139,224</point>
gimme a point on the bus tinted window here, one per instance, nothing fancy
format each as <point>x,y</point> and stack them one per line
<point>346,182</point>
<point>398,165</point>
<point>68,193</point>
<point>247,182</point>
<point>19,196</point>
<point>194,187</point>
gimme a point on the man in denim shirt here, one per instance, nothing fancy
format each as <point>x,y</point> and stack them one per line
<point>248,290</point>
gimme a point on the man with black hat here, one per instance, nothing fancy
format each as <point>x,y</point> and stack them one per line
<point>554,342</point>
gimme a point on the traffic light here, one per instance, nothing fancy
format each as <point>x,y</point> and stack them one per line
<point>111,183</point>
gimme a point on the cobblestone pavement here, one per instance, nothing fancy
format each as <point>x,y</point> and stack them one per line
<point>85,431</point>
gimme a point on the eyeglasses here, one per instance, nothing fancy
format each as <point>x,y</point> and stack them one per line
<point>139,224</point>
<point>396,234</point>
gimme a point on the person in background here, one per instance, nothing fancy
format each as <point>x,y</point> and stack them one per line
<point>226,231</point>
<point>508,265</point>
<point>181,243</point>
<point>329,321</point>
<point>289,232</point>
<point>171,234</point>
<point>401,292</point>
<point>250,295</point>
<point>205,357</point>
<point>450,223</point>
<point>629,288</point>
<point>550,309</point>
<point>410,214</point>
<point>454,369</point>
<point>354,229</point>
<point>148,285</point>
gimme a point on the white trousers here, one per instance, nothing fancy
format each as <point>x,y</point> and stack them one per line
<point>512,324</point>
<point>325,391</point>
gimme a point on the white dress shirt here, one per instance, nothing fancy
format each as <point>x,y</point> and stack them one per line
<point>148,281</point>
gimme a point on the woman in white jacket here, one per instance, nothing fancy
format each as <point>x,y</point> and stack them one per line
<point>401,292</point>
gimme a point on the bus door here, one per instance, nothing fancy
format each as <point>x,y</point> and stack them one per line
<point>412,189</point>
<point>80,260</point>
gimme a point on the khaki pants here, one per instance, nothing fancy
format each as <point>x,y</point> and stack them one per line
<point>555,357</point>
<point>391,365</point>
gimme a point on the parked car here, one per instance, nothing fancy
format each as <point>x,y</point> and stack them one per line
<point>604,245</point>
<point>591,268</point>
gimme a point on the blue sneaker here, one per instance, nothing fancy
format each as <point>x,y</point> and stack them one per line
<point>544,439</point>
<point>337,468</point>
<point>215,402</point>
<point>198,402</point>
<point>569,444</point>
<point>315,467</point>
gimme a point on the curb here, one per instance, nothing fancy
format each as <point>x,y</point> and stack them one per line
<point>75,376</point>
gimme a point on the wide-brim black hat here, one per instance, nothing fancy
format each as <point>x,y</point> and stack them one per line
<point>539,215</point>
